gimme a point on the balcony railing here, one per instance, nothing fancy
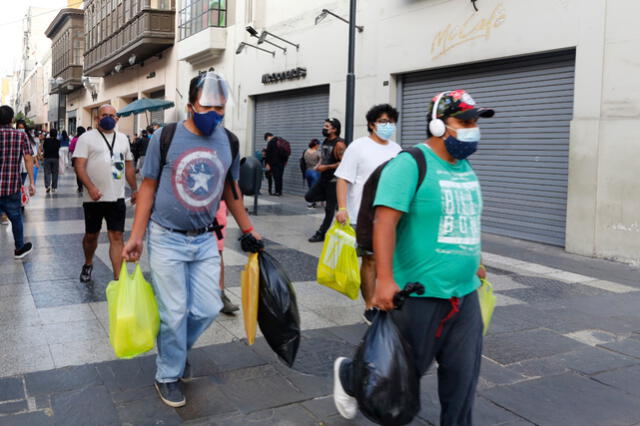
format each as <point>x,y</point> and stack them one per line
<point>71,79</point>
<point>198,15</point>
<point>149,32</point>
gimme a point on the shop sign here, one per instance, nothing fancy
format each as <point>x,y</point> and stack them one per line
<point>475,27</point>
<point>276,77</point>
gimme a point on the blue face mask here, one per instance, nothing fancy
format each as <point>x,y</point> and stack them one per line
<point>107,123</point>
<point>385,130</point>
<point>207,122</point>
<point>465,144</point>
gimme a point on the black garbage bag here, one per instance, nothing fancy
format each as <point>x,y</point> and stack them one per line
<point>388,386</point>
<point>278,315</point>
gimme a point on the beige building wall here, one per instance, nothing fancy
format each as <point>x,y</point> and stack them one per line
<point>123,88</point>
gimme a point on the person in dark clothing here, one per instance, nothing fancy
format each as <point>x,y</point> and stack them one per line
<point>276,161</point>
<point>325,189</point>
<point>141,147</point>
<point>267,170</point>
<point>51,148</point>
<point>72,146</point>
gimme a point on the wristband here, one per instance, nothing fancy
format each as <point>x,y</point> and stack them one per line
<point>342,209</point>
<point>246,231</point>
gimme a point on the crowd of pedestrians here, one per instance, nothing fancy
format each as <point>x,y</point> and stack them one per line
<point>427,210</point>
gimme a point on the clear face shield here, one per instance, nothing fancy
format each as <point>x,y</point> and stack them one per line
<point>215,91</point>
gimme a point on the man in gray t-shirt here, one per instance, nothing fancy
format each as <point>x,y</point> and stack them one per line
<point>178,201</point>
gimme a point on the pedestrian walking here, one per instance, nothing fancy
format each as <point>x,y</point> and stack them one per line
<point>276,156</point>
<point>267,170</point>
<point>103,160</point>
<point>184,177</point>
<point>21,126</point>
<point>311,157</point>
<point>141,149</point>
<point>325,189</point>
<point>429,232</point>
<point>360,159</point>
<point>64,151</point>
<point>72,147</point>
<point>51,150</point>
<point>14,149</point>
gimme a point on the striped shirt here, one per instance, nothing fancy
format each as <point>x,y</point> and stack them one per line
<point>14,145</point>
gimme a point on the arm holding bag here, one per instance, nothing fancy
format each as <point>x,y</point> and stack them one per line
<point>278,315</point>
<point>133,314</point>
<point>388,386</point>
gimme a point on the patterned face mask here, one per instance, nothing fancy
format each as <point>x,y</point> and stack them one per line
<point>465,144</point>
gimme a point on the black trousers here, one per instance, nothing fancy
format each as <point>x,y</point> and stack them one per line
<point>458,350</point>
<point>269,177</point>
<point>278,173</point>
<point>324,191</point>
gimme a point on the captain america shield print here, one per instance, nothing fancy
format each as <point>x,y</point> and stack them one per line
<point>198,178</point>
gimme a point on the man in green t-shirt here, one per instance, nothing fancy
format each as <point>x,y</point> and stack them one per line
<point>431,234</point>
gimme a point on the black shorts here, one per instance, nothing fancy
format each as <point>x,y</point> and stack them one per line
<point>114,212</point>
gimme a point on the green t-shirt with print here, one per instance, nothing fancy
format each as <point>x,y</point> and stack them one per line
<point>438,237</point>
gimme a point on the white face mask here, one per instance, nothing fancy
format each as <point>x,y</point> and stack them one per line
<point>467,135</point>
<point>385,130</point>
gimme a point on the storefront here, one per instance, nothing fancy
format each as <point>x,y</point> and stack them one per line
<point>523,162</point>
<point>297,116</point>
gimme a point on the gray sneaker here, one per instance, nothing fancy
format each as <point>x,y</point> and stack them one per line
<point>228,308</point>
<point>171,394</point>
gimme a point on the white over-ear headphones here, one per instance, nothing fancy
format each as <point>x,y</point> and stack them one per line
<point>436,126</point>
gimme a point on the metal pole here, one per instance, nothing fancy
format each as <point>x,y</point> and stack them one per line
<point>351,78</point>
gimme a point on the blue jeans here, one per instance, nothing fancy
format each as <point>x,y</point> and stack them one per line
<point>185,274</point>
<point>10,204</point>
<point>311,176</point>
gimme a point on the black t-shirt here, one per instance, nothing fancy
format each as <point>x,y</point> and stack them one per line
<point>51,148</point>
<point>329,157</point>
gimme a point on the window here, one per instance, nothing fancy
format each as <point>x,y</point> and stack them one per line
<point>200,14</point>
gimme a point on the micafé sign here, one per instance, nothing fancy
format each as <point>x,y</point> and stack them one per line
<point>276,77</point>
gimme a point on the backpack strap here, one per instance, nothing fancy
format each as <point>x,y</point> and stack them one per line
<point>166,137</point>
<point>235,149</point>
<point>421,161</point>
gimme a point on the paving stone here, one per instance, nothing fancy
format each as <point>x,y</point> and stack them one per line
<point>61,380</point>
<point>82,352</point>
<point>350,333</point>
<point>583,401</point>
<point>13,407</point>
<point>231,356</point>
<point>147,412</point>
<point>629,347</point>
<point>492,374</point>
<point>282,416</point>
<point>87,406</point>
<point>68,291</point>
<point>513,318</point>
<point>541,290</point>
<point>20,360</point>
<point>68,313</point>
<point>11,388</point>
<point>75,331</point>
<point>205,399</point>
<point>122,375</point>
<point>626,379</point>
<point>513,347</point>
<point>587,361</point>
<point>321,407</point>
<point>259,393</point>
<point>27,419</point>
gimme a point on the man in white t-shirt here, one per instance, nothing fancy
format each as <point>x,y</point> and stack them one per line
<point>103,160</point>
<point>360,159</point>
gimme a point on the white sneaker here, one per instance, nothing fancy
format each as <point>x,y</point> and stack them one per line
<point>347,405</point>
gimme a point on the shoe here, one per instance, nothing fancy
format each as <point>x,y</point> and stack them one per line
<point>187,375</point>
<point>85,275</point>
<point>48,190</point>
<point>171,394</point>
<point>347,405</point>
<point>311,205</point>
<point>53,190</point>
<point>23,251</point>
<point>5,220</point>
<point>317,238</point>
<point>369,315</point>
<point>228,308</point>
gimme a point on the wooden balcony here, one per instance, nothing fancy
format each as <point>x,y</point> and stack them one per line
<point>71,80</point>
<point>146,34</point>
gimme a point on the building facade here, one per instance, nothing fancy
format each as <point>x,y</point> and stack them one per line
<point>554,70</point>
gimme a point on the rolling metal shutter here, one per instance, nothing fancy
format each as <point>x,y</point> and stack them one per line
<point>297,116</point>
<point>522,161</point>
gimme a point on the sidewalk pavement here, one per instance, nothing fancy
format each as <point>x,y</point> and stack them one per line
<point>563,347</point>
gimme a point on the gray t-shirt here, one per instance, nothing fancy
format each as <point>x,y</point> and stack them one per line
<point>192,179</point>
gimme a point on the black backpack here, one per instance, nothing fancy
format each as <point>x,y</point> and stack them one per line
<point>366,214</point>
<point>166,137</point>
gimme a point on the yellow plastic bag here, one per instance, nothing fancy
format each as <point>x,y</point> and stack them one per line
<point>338,265</point>
<point>487,302</point>
<point>250,284</point>
<point>133,314</point>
